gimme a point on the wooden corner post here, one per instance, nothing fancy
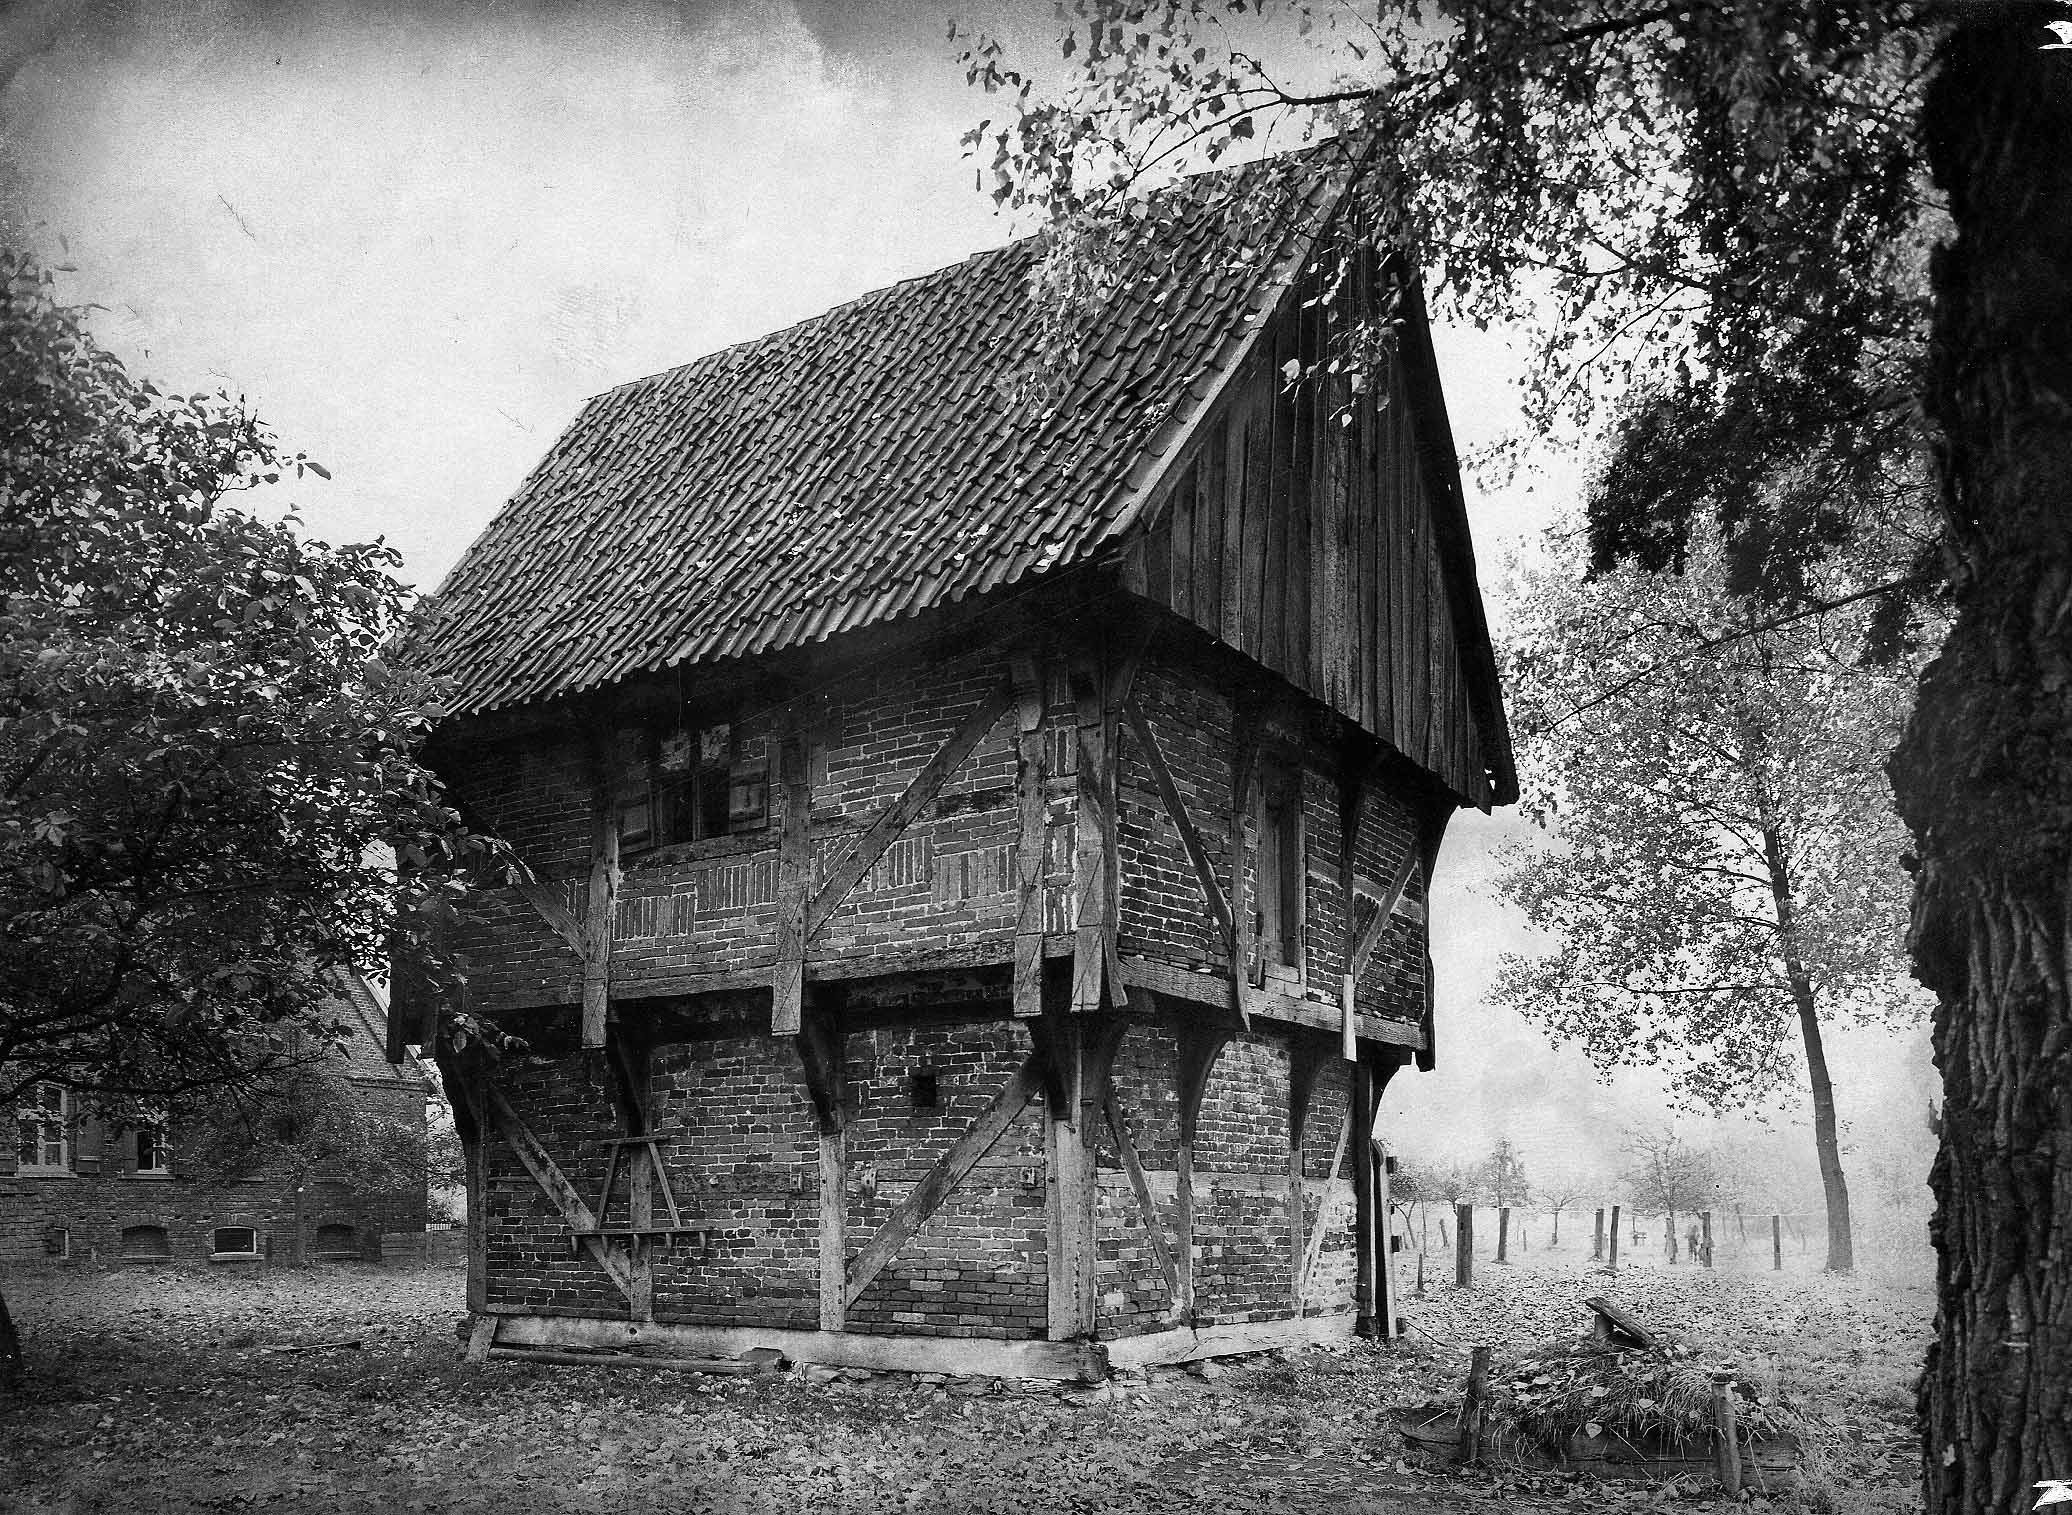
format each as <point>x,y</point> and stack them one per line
<point>1200,1046</point>
<point>1077,1053</point>
<point>794,882</point>
<point>821,1046</point>
<point>1032,808</point>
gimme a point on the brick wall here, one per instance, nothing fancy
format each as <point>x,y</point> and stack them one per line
<point>104,1195</point>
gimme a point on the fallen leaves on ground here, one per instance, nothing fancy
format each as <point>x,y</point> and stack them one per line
<point>164,1390</point>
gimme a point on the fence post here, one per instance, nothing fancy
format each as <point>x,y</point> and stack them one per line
<point>1463,1246</point>
<point>1597,1246</point>
<point>1705,1234</point>
<point>1729,1439</point>
<point>1471,1406</point>
<point>1503,1233</point>
<point>1777,1243</point>
<point>1615,1239</point>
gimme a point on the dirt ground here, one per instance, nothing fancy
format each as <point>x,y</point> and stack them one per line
<point>167,1390</point>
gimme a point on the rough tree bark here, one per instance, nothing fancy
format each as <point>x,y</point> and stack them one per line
<point>1984,775</point>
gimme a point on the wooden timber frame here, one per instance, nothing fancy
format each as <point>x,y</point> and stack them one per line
<point>1075,1022</point>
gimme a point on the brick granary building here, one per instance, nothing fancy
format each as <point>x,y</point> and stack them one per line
<point>979,832</point>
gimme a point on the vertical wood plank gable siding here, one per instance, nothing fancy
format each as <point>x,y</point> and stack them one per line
<point>1308,545</point>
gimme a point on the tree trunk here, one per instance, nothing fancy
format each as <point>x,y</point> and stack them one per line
<point>10,1350</point>
<point>1841,1246</point>
<point>1984,774</point>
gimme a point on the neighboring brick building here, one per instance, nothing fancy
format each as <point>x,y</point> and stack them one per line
<point>902,767</point>
<point>79,1189</point>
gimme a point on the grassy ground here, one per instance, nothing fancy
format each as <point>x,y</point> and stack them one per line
<point>164,1390</point>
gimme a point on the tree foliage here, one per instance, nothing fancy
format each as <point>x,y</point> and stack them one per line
<point>1720,823</point>
<point>203,740</point>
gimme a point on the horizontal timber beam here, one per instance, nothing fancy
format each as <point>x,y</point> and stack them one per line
<point>1213,990</point>
<point>1070,1361</point>
<point>1189,1345</point>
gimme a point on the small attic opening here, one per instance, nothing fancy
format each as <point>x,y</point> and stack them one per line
<point>922,1093</point>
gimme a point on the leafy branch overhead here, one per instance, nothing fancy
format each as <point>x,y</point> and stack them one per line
<point>1723,203</point>
<point>206,738</point>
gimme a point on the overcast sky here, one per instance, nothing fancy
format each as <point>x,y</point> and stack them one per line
<point>417,236</point>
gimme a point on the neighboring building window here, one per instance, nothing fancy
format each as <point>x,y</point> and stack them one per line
<point>234,1241</point>
<point>154,1149</point>
<point>44,1130</point>
<point>1279,870</point>
<point>146,1244</point>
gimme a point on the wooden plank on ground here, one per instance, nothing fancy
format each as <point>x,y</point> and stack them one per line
<point>846,874</point>
<point>1069,1361</point>
<point>926,1197</point>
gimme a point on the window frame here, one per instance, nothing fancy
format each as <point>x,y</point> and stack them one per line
<point>155,1126</point>
<point>1280,870</point>
<point>29,1108</point>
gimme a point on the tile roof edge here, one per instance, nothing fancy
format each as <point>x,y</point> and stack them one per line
<point>1136,498</point>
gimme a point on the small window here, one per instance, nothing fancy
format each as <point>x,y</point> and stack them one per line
<point>145,1244</point>
<point>234,1241</point>
<point>697,795</point>
<point>43,1124</point>
<point>337,1241</point>
<point>921,1089</point>
<point>153,1145</point>
<point>57,1241</point>
<point>1279,870</point>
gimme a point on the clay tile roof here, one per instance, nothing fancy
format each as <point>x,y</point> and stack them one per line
<point>867,463</point>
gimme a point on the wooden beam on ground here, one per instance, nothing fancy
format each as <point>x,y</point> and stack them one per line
<point>1032,811</point>
<point>919,793</point>
<point>555,1185</point>
<point>1068,1361</point>
<point>926,1197</point>
<point>1147,1207</point>
<point>1183,1344</point>
<point>1176,811</point>
<point>794,881</point>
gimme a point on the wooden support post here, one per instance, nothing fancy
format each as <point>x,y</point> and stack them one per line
<point>1729,1437</point>
<point>598,919</point>
<point>1244,744</point>
<point>1614,1264</point>
<point>1352,800</point>
<point>1470,1448</point>
<point>1199,1049</point>
<point>794,882</point>
<point>1463,1246</point>
<point>1503,1233</point>
<point>1777,1243</point>
<point>1597,1243</point>
<point>1032,823</point>
<point>1388,1312</point>
<point>1304,1061</point>
<point>1147,1206</point>
<point>1092,845</point>
<point>821,1047</point>
<point>1367,1266</point>
<point>1079,1051</point>
<point>1705,1237</point>
<point>834,1229</point>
